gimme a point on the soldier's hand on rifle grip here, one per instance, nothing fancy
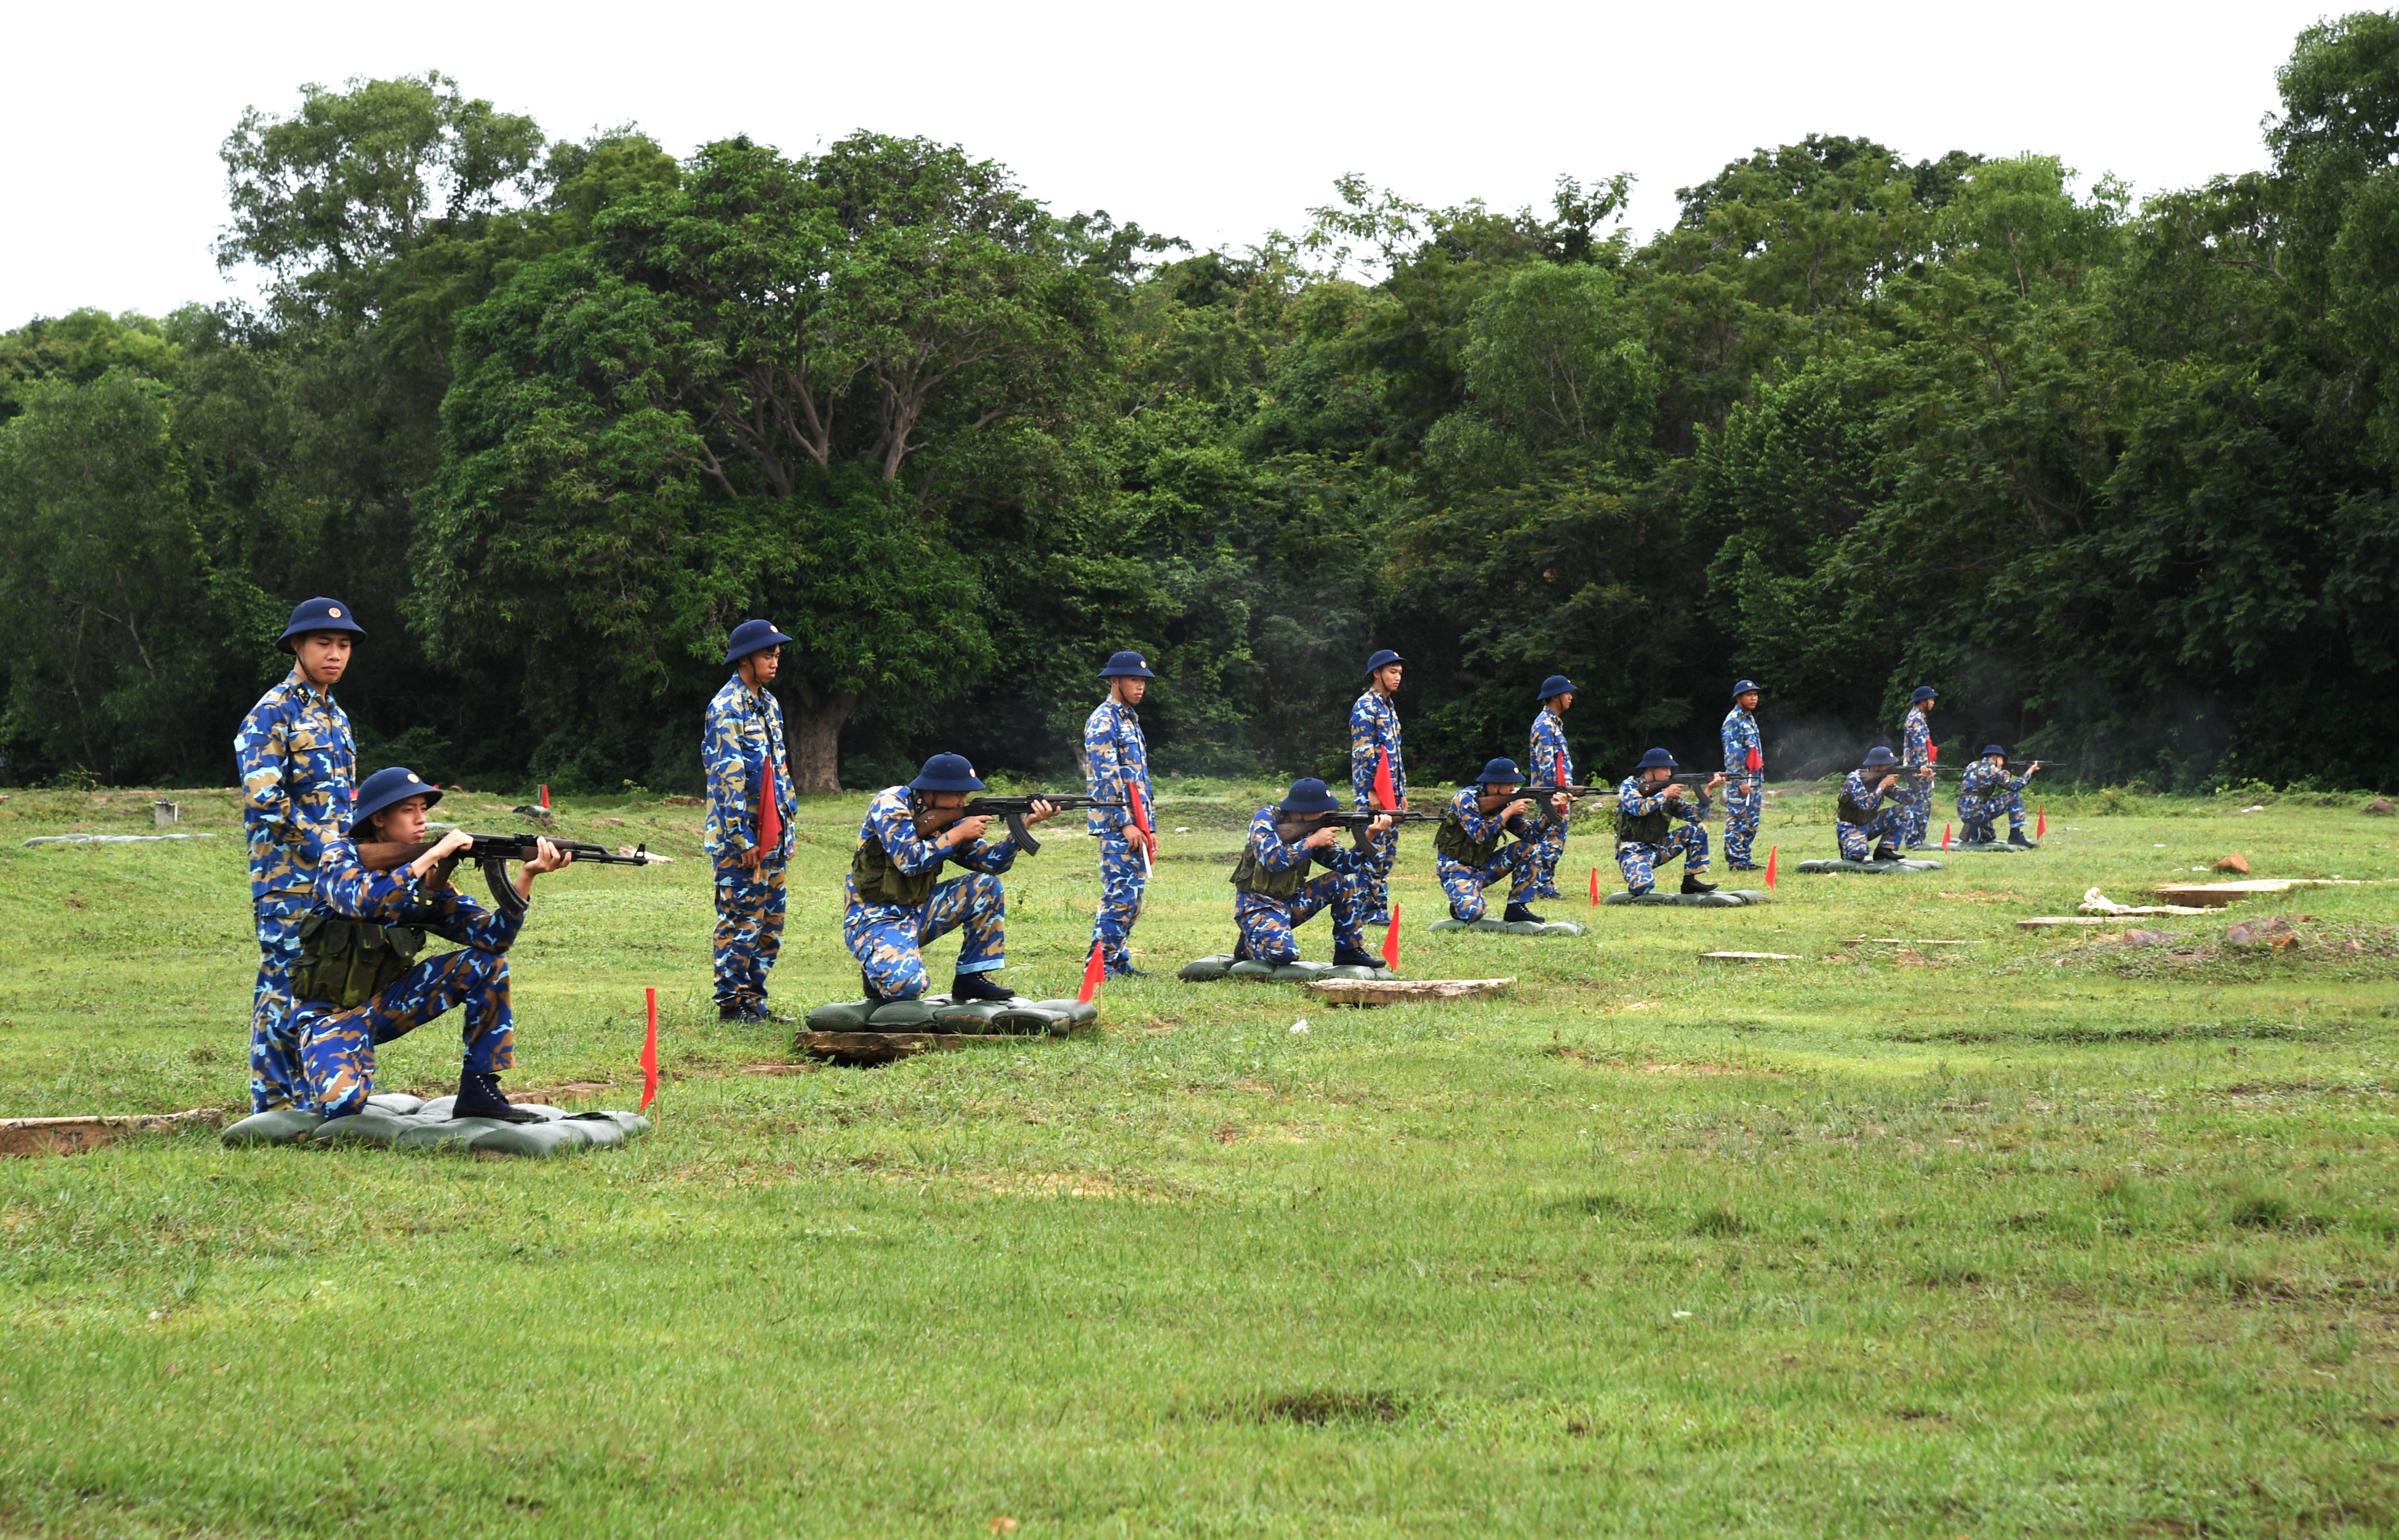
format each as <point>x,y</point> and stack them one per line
<point>1379,825</point>
<point>1518,808</point>
<point>966,830</point>
<point>1887,782</point>
<point>1715,780</point>
<point>1322,839</point>
<point>1041,812</point>
<point>445,856</point>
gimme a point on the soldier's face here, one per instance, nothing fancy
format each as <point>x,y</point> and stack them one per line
<point>1748,701</point>
<point>1658,776</point>
<point>1387,678</point>
<point>402,822</point>
<point>762,665</point>
<point>945,802</point>
<point>1560,702</point>
<point>1496,795</point>
<point>1130,690</point>
<point>324,655</point>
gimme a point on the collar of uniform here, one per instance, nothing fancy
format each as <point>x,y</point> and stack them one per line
<point>299,677</point>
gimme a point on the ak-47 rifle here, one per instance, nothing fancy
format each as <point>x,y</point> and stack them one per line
<point>493,853</point>
<point>1355,820</point>
<point>1015,808</point>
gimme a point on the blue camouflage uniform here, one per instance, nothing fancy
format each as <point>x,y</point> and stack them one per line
<point>1517,860</point>
<point>1552,764</point>
<point>1863,787</point>
<point>1986,791</point>
<point>1119,769</point>
<point>298,769</point>
<point>742,732</point>
<point>888,939</point>
<point>1744,786</point>
<point>1914,794</point>
<point>1266,923</point>
<point>1639,860</point>
<point>1374,726</point>
<point>339,1046</point>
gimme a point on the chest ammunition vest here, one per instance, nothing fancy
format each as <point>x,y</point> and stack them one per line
<point>1643,827</point>
<point>1452,840</point>
<point>879,881</point>
<point>1249,876</point>
<point>346,963</point>
<point>1850,810</point>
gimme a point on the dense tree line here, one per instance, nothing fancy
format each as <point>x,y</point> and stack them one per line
<point>553,415</point>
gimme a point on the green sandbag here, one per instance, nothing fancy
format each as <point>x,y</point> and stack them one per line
<point>1722,898</point>
<point>1508,927</point>
<point>900,1015</point>
<point>541,1141</point>
<point>453,1134</point>
<point>634,1124</point>
<point>971,1016</point>
<point>1252,968</point>
<point>1991,847</point>
<point>1079,1012</point>
<point>1869,868</point>
<point>844,1016</point>
<point>284,1126</point>
<point>1206,970</point>
<point>366,1127</point>
<point>1560,928</point>
<point>398,1103</point>
<point>1028,1019</point>
<point>598,1129</point>
<point>1300,973</point>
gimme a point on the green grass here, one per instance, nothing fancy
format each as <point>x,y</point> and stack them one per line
<point>2051,1234</point>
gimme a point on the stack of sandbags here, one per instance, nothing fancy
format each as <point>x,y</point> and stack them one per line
<point>396,1120</point>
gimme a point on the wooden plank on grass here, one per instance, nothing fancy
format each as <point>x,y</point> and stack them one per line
<point>1388,992</point>
<point>1749,957</point>
<point>2042,922</point>
<point>32,1136</point>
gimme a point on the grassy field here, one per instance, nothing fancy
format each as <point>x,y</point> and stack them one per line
<point>2054,1233</point>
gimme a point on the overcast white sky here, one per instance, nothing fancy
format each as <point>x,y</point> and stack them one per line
<point>1211,122</point>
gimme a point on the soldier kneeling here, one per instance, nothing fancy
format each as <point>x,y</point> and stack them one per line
<point>1647,803</point>
<point>1467,848</point>
<point>357,986</point>
<point>896,905</point>
<point>1865,817</point>
<point>1274,892</point>
<point>1989,792</point>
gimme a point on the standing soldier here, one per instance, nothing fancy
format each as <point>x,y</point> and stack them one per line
<point>1744,768</point>
<point>1918,753</point>
<point>1471,850</point>
<point>1647,803</point>
<point>297,769</point>
<point>1862,820</point>
<point>1377,779</point>
<point>1989,792</point>
<point>750,807</point>
<point>1552,765</point>
<point>1118,772</point>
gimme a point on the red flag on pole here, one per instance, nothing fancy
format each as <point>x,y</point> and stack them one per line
<point>1391,942</point>
<point>1595,887</point>
<point>1137,806</point>
<point>2040,829</point>
<point>1386,790</point>
<point>1091,973</point>
<point>650,1052</point>
<point>1771,851</point>
<point>1945,836</point>
<point>1756,761</point>
<point>770,811</point>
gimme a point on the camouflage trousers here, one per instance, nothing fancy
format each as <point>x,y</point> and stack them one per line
<point>1858,839</point>
<point>889,941</point>
<point>1546,853</point>
<point>1267,923</point>
<point>749,930</point>
<point>1374,863</point>
<point>1640,863</point>
<point>1915,799</point>
<point>1122,877</point>
<point>1519,863</point>
<point>339,1046</point>
<point>276,1076</point>
<point>1978,814</point>
<point>1744,801</point>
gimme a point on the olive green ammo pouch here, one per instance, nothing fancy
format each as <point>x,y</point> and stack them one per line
<point>1249,877</point>
<point>346,963</point>
<point>1849,812</point>
<point>1451,840</point>
<point>1641,828</point>
<point>879,881</point>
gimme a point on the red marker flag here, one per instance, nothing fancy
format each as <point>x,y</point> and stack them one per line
<point>770,811</point>
<point>1091,972</point>
<point>1771,851</point>
<point>545,793</point>
<point>1391,942</point>
<point>1386,790</point>
<point>650,1052</point>
<point>1595,887</point>
<point>1138,807</point>
<point>2040,829</point>
<point>1757,762</point>
<point>1945,836</point>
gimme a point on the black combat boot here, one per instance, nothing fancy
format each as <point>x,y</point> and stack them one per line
<point>1354,957</point>
<point>1885,852</point>
<point>1242,950</point>
<point>1523,913</point>
<point>873,996</point>
<point>743,1014</point>
<point>479,1095</point>
<point>1692,884</point>
<point>2017,838</point>
<point>977,986</point>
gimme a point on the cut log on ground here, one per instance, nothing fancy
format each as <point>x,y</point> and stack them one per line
<point>1905,941</point>
<point>1391,991</point>
<point>2042,922</point>
<point>2095,902</point>
<point>31,1136</point>
<point>1749,957</point>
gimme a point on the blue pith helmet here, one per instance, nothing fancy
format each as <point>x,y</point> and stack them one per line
<point>1657,759</point>
<point>1990,749</point>
<point>1743,686</point>
<point>319,615</point>
<point>1923,694</point>
<point>1878,756</point>
<point>1383,660</point>
<point>1127,666</point>
<point>1556,685</point>
<point>1501,772</point>
<point>1307,795</point>
<point>752,636</point>
<point>386,786</point>
<point>947,772</point>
